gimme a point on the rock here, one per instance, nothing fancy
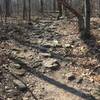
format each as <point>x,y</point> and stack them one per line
<point>8,99</point>
<point>97,70</point>
<point>1,98</point>
<point>21,86</point>
<point>54,43</point>
<point>37,64</point>
<point>51,63</point>
<point>19,72</point>
<point>45,54</point>
<point>17,66</point>
<point>99,28</point>
<point>25,98</point>
<point>79,80</point>
<point>12,93</point>
<point>61,18</point>
<point>71,76</point>
<point>48,45</point>
<point>68,46</point>
<point>1,75</point>
<point>0,72</point>
<point>17,69</point>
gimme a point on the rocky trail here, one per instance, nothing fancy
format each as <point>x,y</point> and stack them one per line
<point>48,61</point>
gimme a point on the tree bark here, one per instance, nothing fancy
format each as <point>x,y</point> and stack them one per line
<point>86,18</point>
<point>54,5</point>
<point>42,9</point>
<point>7,9</point>
<point>83,22</point>
<point>60,3</point>
<point>29,10</point>
<point>24,10</point>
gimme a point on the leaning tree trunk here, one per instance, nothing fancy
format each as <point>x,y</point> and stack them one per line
<point>83,22</point>
<point>78,15</point>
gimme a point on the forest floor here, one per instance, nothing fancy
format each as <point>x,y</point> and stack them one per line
<point>48,61</point>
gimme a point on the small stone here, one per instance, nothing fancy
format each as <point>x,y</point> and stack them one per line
<point>68,46</point>
<point>71,76</point>
<point>25,98</point>
<point>45,54</point>
<point>21,86</point>
<point>17,69</point>
<point>56,43</point>
<point>8,99</point>
<point>1,98</point>
<point>48,45</point>
<point>17,66</point>
<point>0,72</point>
<point>97,70</point>
<point>12,93</point>
<point>99,29</point>
<point>79,80</point>
<point>19,72</point>
<point>51,63</point>
<point>37,64</point>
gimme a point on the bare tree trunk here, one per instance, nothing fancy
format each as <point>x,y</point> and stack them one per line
<point>1,13</point>
<point>29,10</point>
<point>42,5</point>
<point>84,22</point>
<point>86,18</point>
<point>99,8</point>
<point>17,7</point>
<point>7,9</point>
<point>60,4</point>
<point>24,10</point>
<point>54,5</point>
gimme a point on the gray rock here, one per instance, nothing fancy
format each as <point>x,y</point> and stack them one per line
<point>97,70</point>
<point>51,63</point>
<point>45,54</point>
<point>79,80</point>
<point>17,66</point>
<point>37,64</point>
<point>17,69</point>
<point>54,43</point>
<point>67,45</point>
<point>21,86</point>
<point>71,76</point>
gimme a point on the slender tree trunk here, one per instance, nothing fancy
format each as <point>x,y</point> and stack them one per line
<point>54,5</point>
<point>60,4</point>
<point>99,8</point>
<point>86,18</point>
<point>1,13</point>
<point>41,3</point>
<point>17,7</point>
<point>29,10</point>
<point>84,22</point>
<point>7,9</point>
<point>24,10</point>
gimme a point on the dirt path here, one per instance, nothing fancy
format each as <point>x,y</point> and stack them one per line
<point>51,62</point>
